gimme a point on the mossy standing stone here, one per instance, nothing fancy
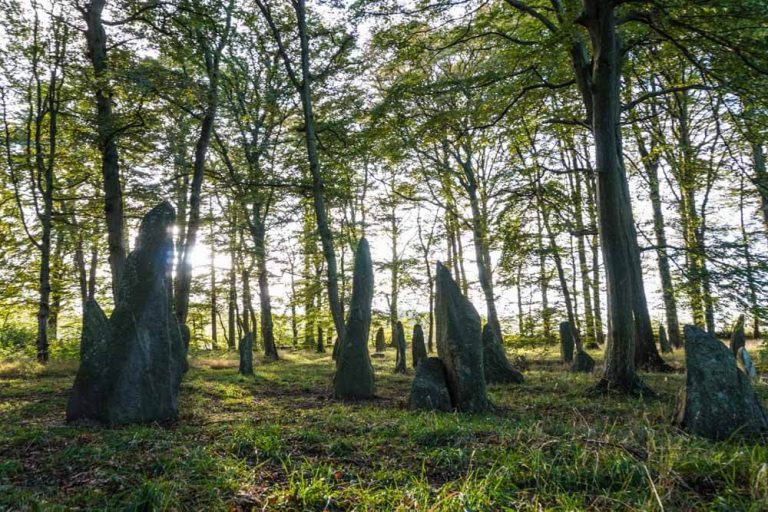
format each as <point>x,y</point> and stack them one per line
<point>429,390</point>
<point>246,354</point>
<point>418,348</point>
<point>566,342</point>
<point>496,366</point>
<point>460,345</point>
<point>145,355</point>
<point>718,400</point>
<point>401,365</point>
<point>354,377</point>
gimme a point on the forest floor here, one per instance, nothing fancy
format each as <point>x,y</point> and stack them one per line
<point>278,441</point>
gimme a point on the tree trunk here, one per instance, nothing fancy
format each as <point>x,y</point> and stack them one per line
<point>651,165</point>
<point>258,229</point>
<point>586,289</point>
<point>96,40</point>
<point>614,206</point>
<point>546,316</point>
<point>214,305</point>
<point>749,267</point>
<point>569,308</point>
<point>318,188</point>
<point>594,246</point>
<point>761,179</point>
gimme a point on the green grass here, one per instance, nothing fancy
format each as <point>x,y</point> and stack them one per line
<point>278,441</point>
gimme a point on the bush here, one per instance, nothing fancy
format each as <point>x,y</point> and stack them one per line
<point>17,340</point>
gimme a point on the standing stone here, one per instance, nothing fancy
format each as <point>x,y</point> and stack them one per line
<point>354,373</point>
<point>134,369</point>
<point>666,348</point>
<point>745,364</point>
<point>381,344</point>
<point>459,345</point>
<point>718,399</point>
<point>429,390</point>
<point>566,342</point>
<point>738,339</point>
<point>418,349</point>
<point>582,362</point>
<point>400,365</point>
<point>496,366</point>
<point>246,354</point>
<point>320,341</point>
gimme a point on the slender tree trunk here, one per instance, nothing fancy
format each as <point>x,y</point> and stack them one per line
<point>92,272</point>
<point>184,271</point>
<point>394,270</point>
<point>761,179</point>
<point>318,188</point>
<point>594,246</point>
<point>482,254</point>
<point>258,227</point>
<point>309,283</point>
<point>546,316</point>
<point>586,285</point>
<point>214,305</point>
<point>667,288</point>
<point>555,251</point>
<point>96,40</point>
<point>749,267</point>
<point>232,303</point>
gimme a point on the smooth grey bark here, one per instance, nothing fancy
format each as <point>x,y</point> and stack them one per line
<point>212,64</point>
<point>106,132</point>
<point>619,245</point>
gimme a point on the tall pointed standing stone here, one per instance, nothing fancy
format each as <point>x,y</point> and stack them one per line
<point>401,366</point>
<point>666,348</point>
<point>418,348</point>
<point>738,338</point>
<point>381,344</point>
<point>354,373</point>
<point>459,344</point>
<point>143,349</point>
<point>246,354</point>
<point>718,400</point>
<point>495,363</point>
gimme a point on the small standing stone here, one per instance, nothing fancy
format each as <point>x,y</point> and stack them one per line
<point>381,344</point>
<point>354,373</point>
<point>566,342</point>
<point>400,365</point>
<point>666,348</point>
<point>460,345</point>
<point>246,354</point>
<point>429,390</point>
<point>418,349</point>
<point>738,338</point>
<point>718,400</point>
<point>495,363</point>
